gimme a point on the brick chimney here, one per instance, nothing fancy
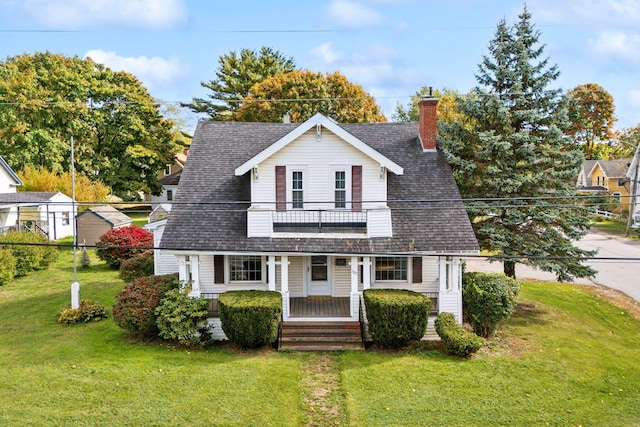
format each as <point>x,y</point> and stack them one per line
<point>428,122</point>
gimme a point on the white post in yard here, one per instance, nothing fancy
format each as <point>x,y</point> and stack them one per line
<point>75,286</point>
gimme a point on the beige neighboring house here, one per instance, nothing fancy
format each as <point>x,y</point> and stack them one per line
<point>169,178</point>
<point>96,221</point>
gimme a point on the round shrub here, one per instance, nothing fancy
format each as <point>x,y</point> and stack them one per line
<point>120,244</point>
<point>138,266</point>
<point>135,305</point>
<point>30,250</point>
<point>456,339</point>
<point>487,299</point>
<point>89,311</point>
<point>395,316</point>
<point>182,318</point>
<point>7,266</point>
<point>250,318</point>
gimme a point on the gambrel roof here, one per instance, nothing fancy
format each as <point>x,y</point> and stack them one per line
<point>209,211</point>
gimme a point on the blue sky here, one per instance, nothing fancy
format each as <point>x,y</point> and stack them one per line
<point>391,47</point>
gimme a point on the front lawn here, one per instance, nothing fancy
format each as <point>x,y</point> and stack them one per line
<point>566,358</point>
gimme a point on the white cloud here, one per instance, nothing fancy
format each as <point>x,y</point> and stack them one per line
<point>634,97</point>
<point>596,13</point>
<point>618,45</point>
<point>353,15</point>
<point>325,53</point>
<point>150,71</point>
<point>73,14</point>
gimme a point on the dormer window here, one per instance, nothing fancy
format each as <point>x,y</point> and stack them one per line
<point>297,189</point>
<point>340,192</point>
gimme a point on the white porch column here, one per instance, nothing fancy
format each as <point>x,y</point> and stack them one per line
<point>284,284</point>
<point>272,272</point>
<point>193,270</point>
<point>355,296</point>
<point>182,268</point>
<point>366,272</point>
<point>442,264</point>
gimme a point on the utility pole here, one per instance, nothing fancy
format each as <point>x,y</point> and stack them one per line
<point>634,188</point>
<point>75,286</point>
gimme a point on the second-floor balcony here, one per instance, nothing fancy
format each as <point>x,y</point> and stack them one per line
<point>319,223</point>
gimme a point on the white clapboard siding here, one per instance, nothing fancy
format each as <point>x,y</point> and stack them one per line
<point>430,274</point>
<point>296,276</point>
<point>342,280</point>
<point>318,160</point>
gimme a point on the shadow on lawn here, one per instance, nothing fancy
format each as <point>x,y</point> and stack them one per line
<point>526,314</point>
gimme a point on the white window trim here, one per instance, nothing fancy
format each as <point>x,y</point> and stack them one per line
<point>167,168</point>
<point>227,271</point>
<point>347,186</point>
<point>374,261</point>
<point>305,178</point>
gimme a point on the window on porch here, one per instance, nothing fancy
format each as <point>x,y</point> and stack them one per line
<point>245,268</point>
<point>391,268</point>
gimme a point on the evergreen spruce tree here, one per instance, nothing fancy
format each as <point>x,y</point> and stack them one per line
<point>509,153</point>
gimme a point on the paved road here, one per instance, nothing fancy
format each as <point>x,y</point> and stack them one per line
<point>621,275</point>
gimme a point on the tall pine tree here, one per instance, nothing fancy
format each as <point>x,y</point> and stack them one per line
<point>509,155</point>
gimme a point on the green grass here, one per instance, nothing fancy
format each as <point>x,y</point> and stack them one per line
<point>614,227</point>
<point>577,363</point>
<point>566,358</point>
<point>139,218</point>
<point>93,374</point>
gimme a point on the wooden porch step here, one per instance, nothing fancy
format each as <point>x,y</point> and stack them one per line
<point>321,336</point>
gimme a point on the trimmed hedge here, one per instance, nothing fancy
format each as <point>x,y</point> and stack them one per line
<point>395,316</point>
<point>183,318</point>
<point>135,305</point>
<point>89,311</point>
<point>250,318</point>
<point>138,266</point>
<point>456,339</point>
<point>7,266</point>
<point>35,255</point>
<point>487,299</point>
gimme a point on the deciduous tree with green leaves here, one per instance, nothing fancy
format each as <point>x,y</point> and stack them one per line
<point>447,108</point>
<point>591,113</point>
<point>510,157</point>
<point>120,137</point>
<point>301,94</point>
<point>237,72</point>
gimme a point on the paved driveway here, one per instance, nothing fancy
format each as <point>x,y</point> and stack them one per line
<point>617,274</point>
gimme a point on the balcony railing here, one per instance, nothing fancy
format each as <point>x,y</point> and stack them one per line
<point>319,220</point>
<point>271,223</point>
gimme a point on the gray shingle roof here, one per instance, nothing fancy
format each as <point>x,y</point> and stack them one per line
<point>172,179</point>
<point>616,168</point>
<point>26,197</point>
<point>109,214</point>
<point>438,223</point>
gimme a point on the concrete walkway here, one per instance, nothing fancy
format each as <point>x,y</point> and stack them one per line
<point>622,275</point>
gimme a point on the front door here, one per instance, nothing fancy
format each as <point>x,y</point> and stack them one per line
<point>318,276</point>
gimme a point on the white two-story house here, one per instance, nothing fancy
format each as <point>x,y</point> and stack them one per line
<point>319,211</point>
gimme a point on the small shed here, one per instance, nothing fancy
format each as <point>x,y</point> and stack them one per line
<point>96,221</point>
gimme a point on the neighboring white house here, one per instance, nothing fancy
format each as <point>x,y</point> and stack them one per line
<point>169,190</point>
<point>318,211</point>
<point>49,213</point>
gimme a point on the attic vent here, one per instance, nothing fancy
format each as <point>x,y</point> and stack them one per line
<point>318,132</point>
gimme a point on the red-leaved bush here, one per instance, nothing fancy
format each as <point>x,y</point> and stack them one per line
<point>122,244</point>
<point>134,306</point>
